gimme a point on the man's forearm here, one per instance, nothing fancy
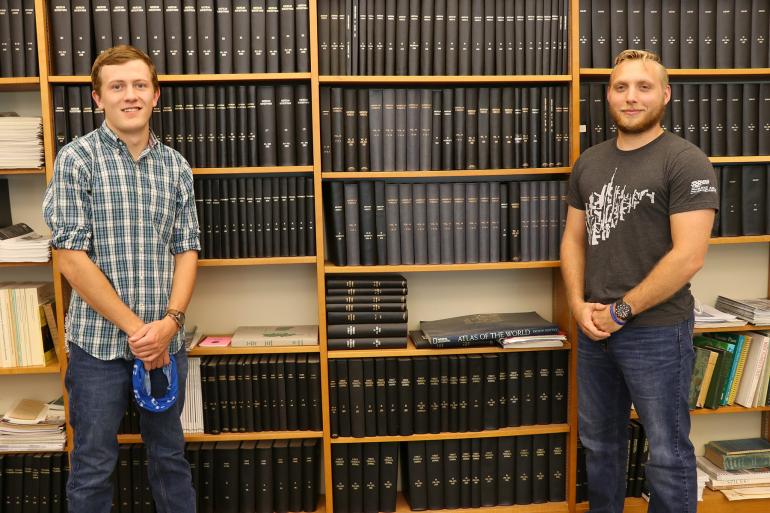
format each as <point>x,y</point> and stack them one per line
<point>573,271</point>
<point>185,272</point>
<point>671,273</point>
<point>93,286</point>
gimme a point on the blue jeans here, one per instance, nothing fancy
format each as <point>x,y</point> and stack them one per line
<point>650,366</point>
<point>99,392</point>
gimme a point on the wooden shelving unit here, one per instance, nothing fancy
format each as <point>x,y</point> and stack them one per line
<point>713,502</point>
<point>198,171</point>
<point>19,83</point>
<point>230,351</point>
<point>233,437</point>
<point>25,264</point>
<point>545,429</point>
<point>232,77</point>
<point>411,350</point>
<point>232,262</point>
<point>357,269</point>
<point>51,368</point>
<point>402,506</point>
<point>443,79</point>
<point>467,173</point>
<point>30,171</point>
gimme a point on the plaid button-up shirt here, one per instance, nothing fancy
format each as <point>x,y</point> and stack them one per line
<point>131,218</point>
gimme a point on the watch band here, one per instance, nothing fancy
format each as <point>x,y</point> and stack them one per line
<point>614,316</point>
<point>177,316</point>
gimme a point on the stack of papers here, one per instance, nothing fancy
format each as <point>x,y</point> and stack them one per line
<point>31,425</point>
<point>21,142</point>
<point>533,341</point>
<point>709,317</point>
<point>19,243</point>
<point>756,311</point>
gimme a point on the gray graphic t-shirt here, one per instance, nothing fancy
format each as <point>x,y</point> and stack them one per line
<point>628,197</point>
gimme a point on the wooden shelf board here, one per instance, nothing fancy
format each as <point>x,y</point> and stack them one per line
<point>743,159</point>
<point>748,327</point>
<point>232,437</point>
<point>223,77</point>
<point>231,351</point>
<point>738,72</point>
<point>411,350</point>
<point>251,170</point>
<point>25,264</point>
<point>355,175</point>
<point>19,83</point>
<point>52,368</point>
<point>29,171</point>
<point>545,429</point>
<point>745,239</point>
<point>357,269</point>
<point>402,506</point>
<point>441,79</point>
<point>722,410</point>
<point>713,502</point>
<point>228,262</point>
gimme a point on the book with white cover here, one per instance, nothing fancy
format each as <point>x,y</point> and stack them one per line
<point>266,336</point>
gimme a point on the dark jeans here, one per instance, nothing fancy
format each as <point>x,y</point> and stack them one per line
<point>651,367</point>
<point>99,392</point>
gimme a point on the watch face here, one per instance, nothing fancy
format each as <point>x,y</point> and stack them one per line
<point>623,311</point>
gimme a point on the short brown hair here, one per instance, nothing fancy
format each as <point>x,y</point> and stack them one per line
<point>118,55</point>
<point>643,55</point>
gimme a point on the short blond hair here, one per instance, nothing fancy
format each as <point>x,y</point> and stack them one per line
<point>644,56</point>
<point>119,55</point>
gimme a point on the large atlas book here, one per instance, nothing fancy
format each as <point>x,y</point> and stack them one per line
<point>485,329</point>
<point>261,336</point>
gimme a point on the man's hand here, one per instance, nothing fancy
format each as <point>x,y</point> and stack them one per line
<point>586,314</point>
<point>602,319</point>
<point>150,342</point>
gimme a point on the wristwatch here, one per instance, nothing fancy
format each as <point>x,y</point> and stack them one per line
<point>177,316</point>
<point>621,312</point>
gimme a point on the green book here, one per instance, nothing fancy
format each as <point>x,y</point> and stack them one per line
<point>741,454</point>
<point>698,372</point>
<point>726,361</point>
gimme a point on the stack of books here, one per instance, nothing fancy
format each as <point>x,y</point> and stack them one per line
<point>730,368</point>
<point>21,141</point>
<point>366,312</point>
<point>519,329</point>
<point>19,243</point>
<point>707,316</point>
<point>27,325</point>
<point>270,336</point>
<point>31,425</point>
<point>756,311</point>
<point>739,468</point>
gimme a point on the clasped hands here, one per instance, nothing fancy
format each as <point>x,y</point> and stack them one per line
<point>150,342</point>
<point>595,320</point>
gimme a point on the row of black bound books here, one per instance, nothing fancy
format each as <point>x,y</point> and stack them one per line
<point>252,393</point>
<point>723,119</point>
<point>230,477</point>
<point>33,482</point>
<point>18,39</point>
<point>445,37</point>
<point>444,129</point>
<point>638,452</point>
<point>744,204</point>
<point>484,472</point>
<point>369,312</point>
<point>685,33</point>
<point>437,394</point>
<point>377,223</point>
<point>254,217</point>
<point>232,125</point>
<point>184,36</point>
<point>364,477</point>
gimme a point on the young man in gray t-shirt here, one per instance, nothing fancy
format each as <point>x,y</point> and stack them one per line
<point>641,207</point>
